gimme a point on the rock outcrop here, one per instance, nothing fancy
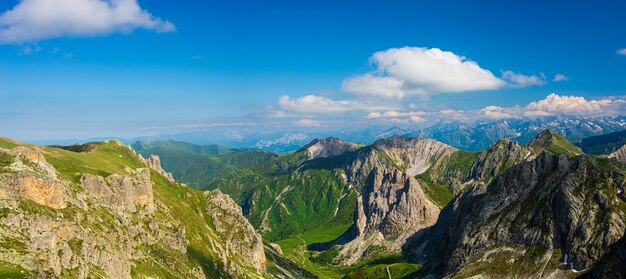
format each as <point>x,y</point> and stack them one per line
<point>497,158</point>
<point>328,147</point>
<point>619,154</point>
<point>240,235</point>
<point>24,173</point>
<point>118,218</point>
<point>410,155</point>
<point>154,162</point>
<point>539,218</point>
<point>391,208</point>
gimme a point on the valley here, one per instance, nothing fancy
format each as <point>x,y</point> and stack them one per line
<point>326,205</point>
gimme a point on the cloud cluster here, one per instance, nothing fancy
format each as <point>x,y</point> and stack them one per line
<point>622,51</point>
<point>315,104</point>
<point>421,71</point>
<point>399,117</point>
<point>552,105</point>
<point>408,71</point>
<point>34,20</point>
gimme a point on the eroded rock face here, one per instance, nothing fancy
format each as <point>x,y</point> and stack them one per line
<point>154,162</point>
<point>328,147</point>
<point>26,174</point>
<point>391,208</point>
<point>412,155</point>
<point>497,158</point>
<point>242,239</point>
<point>122,192</point>
<point>394,204</point>
<point>531,215</point>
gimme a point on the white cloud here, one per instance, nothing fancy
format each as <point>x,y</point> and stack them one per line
<point>399,117</point>
<point>306,122</point>
<point>314,104</point>
<point>495,112</point>
<point>554,104</point>
<point>421,71</point>
<point>622,51</point>
<point>416,119</point>
<point>559,77</point>
<point>34,20</point>
<point>518,80</point>
<point>374,115</point>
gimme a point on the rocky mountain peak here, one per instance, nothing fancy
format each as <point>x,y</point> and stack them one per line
<point>328,147</point>
<point>497,158</point>
<point>391,207</point>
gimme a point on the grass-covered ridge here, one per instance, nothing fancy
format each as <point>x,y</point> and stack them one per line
<point>603,144</point>
<point>551,141</point>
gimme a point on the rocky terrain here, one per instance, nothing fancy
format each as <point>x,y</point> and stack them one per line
<point>328,147</point>
<point>410,155</point>
<point>390,208</point>
<point>619,154</point>
<point>107,212</point>
<point>540,218</point>
<point>542,209</point>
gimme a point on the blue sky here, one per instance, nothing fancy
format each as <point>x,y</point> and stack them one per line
<point>126,68</point>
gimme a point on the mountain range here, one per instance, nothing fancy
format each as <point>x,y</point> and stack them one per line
<point>465,135</point>
<point>401,207</point>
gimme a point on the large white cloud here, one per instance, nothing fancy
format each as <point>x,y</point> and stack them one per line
<point>621,51</point>
<point>409,71</point>
<point>421,71</point>
<point>33,20</point>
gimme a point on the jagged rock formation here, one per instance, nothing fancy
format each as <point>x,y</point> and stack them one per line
<point>328,147</point>
<point>410,155</point>
<point>111,214</point>
<point>154,162</point>
<point>228,221</point>
<point>529,220</point>
<point>391,208</point>
<point>498,158</point>
<point>619,154</point>
<point>26,174</point>
<point>612,264</point>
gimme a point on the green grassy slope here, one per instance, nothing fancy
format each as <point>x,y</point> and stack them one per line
<point>437,180</point>
<point>200,166</point>
<point>604,144</point>
<point>554,143</point>
<point>175,205</point>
